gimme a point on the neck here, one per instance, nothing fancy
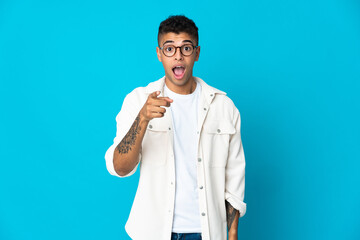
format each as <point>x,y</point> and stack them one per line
<point>187,88</point>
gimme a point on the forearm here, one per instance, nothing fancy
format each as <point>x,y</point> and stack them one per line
<point>126,154</point>
<point>232,216</point>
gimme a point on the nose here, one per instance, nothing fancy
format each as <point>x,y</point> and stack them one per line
<point>178,55</point>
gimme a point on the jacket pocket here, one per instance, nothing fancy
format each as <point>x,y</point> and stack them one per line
<point>216,136</point>
<point>219,127</point>
<point>155,143</point>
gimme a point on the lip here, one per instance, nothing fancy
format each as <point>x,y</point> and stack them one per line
<point>177,65</point>
<point>178,77</point>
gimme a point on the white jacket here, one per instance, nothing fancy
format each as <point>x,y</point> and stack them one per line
<point>220,165</point>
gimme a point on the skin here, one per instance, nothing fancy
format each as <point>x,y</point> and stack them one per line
<point>187,84</point>
<point>127,152</point>
<point>232,217</point>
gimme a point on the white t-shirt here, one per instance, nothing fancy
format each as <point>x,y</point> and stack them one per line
<point>184,114</point>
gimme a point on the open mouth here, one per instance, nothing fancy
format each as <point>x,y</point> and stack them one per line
<point>179,72</point>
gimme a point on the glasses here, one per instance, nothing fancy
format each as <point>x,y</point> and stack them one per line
<point>186,50</point>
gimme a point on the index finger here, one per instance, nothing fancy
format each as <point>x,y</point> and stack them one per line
<point>162,101</point>
<point>166,99</point>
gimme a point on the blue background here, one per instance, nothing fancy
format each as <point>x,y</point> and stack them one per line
<point>291,67</point>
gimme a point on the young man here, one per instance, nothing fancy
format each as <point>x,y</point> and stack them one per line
<point>186,135</point>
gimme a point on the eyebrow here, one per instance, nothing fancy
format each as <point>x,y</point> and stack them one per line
<point>184,41</point>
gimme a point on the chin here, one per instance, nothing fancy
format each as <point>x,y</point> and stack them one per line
<point>177,82</point>
<point>180,82</point>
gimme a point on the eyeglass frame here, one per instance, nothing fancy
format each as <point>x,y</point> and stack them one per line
<point>194,47</point>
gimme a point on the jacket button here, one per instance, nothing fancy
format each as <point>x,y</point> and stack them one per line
<point>169,128</point>
<point>218,131</point>
<point>204,109</point>
<point>199,159</point>
<point>211,95</point>
<point>201,187</point>
<point>203,214</point>
<point>150,126</point>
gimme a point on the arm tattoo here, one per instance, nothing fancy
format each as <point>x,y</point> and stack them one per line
<point>129,140</point>
<point>230,214</point>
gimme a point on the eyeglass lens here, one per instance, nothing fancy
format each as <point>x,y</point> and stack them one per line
<point>186,50</point>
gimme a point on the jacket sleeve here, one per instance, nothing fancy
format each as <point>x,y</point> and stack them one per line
<point>124,121</point>
<point>235,170</point>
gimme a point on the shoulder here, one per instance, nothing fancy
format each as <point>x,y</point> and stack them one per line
<point>134,97</point>
<point>225,99</point>
<point>220,101</point>
<point>140,94</point>
<point>223,106</point>
<point>219,95</point>
<point>226,106</point>
<point>149,88</point>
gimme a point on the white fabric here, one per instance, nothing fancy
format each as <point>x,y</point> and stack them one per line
<point>220,165</point>
<point>184,115</point>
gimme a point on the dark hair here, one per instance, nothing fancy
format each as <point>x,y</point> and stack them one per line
<point>178,24</point>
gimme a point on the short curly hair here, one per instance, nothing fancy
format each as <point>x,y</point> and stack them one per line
<point>178,24</point>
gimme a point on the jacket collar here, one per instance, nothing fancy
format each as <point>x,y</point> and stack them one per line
<point>208,91</point>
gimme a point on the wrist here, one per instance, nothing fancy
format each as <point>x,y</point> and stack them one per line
<point>233,236</point>
<point>143,121</point>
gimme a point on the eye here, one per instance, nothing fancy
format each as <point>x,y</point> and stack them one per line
<point>187,48</point>
<point>169,48</point>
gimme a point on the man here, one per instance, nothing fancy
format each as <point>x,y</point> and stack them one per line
<point>186,135</point>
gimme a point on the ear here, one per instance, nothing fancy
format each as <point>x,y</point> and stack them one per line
<point>197,53</point>
<point>158,53</point>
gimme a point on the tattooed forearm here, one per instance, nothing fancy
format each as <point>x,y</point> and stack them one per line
<point>129,139</point>
<point>230,214</point>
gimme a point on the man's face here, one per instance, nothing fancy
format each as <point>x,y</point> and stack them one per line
<point>178,68</point>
